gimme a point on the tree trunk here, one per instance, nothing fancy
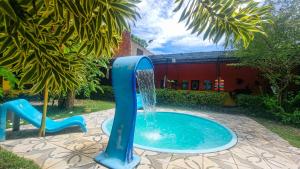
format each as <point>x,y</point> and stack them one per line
<point>70,99</point>
<point>282,95</point>
<point>43,122</point>
<point>279,98</point>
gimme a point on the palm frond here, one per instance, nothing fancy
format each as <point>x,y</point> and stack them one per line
<point>234,20</point>
<point>35,36</point>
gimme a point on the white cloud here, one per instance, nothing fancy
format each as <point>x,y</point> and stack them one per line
<point>191,41</point>
<point>159,23</point>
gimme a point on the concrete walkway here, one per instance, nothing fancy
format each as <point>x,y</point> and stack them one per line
<point>257,147</point>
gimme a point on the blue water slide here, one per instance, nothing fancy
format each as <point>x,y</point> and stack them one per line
<point>119,151</point>
<point>23,109</point>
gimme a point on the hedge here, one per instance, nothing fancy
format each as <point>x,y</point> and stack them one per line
<point>250,101</point>
<point>189,98</point>
<point>173,97</point>
<point>266,106</point>
<point>107,93</point>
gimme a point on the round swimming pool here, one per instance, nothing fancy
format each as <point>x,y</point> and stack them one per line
<point>179,133</point>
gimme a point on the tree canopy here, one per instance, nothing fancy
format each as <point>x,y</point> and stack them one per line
<point>233,20</point>
<point>278,55</point>
<point>34,35</point>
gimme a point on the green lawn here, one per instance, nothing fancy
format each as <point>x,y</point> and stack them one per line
<point>81,107</point>
<point>9,160</point>
<point>289,133</point>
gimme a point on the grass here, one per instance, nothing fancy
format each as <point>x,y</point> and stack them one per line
<point>9,160</point>
<point>289,133</point>
<point>80,107</point>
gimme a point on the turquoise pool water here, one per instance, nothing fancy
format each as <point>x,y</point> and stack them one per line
<point>179,133</point>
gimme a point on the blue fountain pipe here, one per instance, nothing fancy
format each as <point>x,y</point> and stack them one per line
<point>119,151</point>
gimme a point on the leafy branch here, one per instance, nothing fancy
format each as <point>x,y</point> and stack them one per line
<point>236,21</point>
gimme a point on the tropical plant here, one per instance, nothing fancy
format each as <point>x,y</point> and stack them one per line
<point>95,69</point>
<point>236,20</point>
<point>278,55</point>
<point>7,75</point>
<point>34,35</point>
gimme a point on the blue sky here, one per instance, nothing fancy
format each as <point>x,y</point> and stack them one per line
<point>159,23</point>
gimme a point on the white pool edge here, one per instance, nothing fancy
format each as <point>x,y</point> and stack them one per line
<point>232,143</point>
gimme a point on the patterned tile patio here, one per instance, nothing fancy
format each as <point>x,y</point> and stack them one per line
<point>257,147</point>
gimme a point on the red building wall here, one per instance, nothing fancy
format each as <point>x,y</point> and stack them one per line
<point>125,45</point>
<point>208,71</point>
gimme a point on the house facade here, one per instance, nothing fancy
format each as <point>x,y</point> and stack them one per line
<point>213,71</point>
<point>130,47</point>
<point>205,71</point>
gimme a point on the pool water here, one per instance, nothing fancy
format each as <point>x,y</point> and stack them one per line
<point>179,133</point>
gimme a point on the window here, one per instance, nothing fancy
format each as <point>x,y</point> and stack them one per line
<point>207,84</point>
<point>185,85</point>
<point>139,52</point>
<point>195,85</point>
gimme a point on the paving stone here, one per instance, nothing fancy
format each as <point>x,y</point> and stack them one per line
<point>257,147</point>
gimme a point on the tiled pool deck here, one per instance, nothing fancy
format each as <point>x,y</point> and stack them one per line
<point>257,147</point>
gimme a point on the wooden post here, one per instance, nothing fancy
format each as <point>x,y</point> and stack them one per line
<point>43,122</point>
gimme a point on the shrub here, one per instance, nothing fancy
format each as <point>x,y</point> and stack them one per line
<point>105,94</point>
<point>189,98</point>
<point>271,105</point>
<point>172,97</point>
<point>292,102</point>
<point>296,117</point>
<point>254,105</point>
<point>249,101</point>
<point>265,106</point>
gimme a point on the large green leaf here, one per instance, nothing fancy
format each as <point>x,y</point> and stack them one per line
<point>46,37</point>
<point>233,19</point>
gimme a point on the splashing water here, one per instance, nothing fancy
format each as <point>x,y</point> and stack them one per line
<point>145,80</point>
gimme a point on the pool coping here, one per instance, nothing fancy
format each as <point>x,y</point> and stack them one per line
<point>230,144</point>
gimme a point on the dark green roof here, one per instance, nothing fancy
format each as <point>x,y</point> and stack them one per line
<point>195,57</point>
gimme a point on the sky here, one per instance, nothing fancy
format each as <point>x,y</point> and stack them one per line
<point>159,24</point>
